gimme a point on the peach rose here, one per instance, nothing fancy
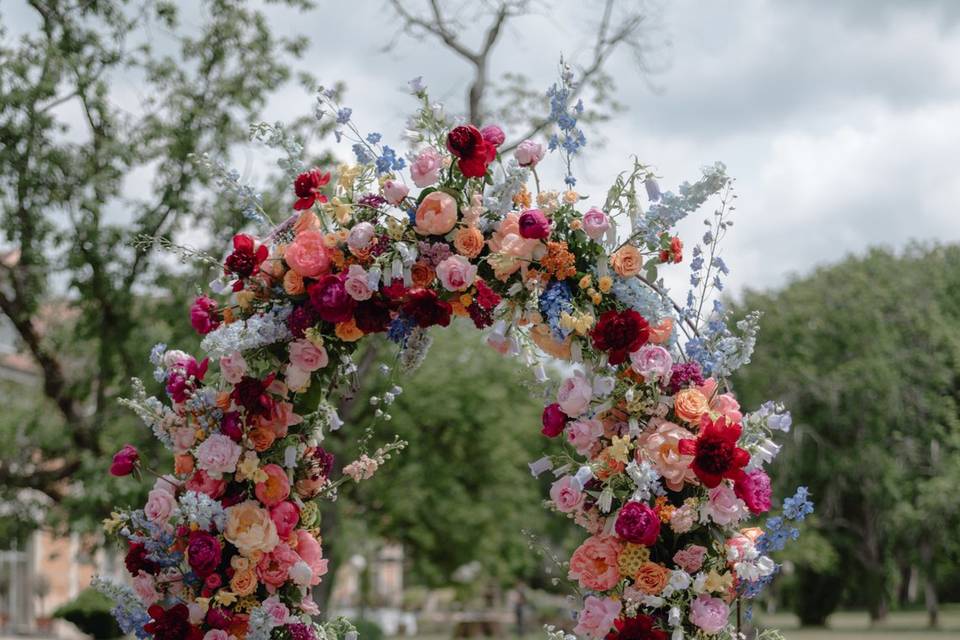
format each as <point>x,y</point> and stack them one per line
<point>662,448</point>
<point>422,274</point>
<point>183,464</point>
<point>651,578</point>
<point>661,333</point>
<point>250,528</point>
<point>436,215</point>
<point>307,356</point>
<point>627,261</point>
<point>690,404</point>
<point>307,221</point>
<point>293,283</point>
<point>468,242</point>
<point>727,406</point>
<point>308,255</point>
<point>594,563</point>
<point>243,583</point>
<point>275,488</point>
<point>261,438</point>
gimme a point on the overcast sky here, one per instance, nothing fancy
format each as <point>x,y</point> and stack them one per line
<point>840,120</point>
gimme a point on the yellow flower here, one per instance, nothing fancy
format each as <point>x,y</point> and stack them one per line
<point>586,282</point>
<point>314,336</point>
<point>348,175</point>
<point>466,300</point>
<point>596,297</point>
<point>718,583</point>
<point>259,476</point>
<point>605,283</point>
<point>576,224</point>
<point>244,298</point>
<point>584,323</point>
<point>341,210</point>
<point>226,598</point>
<point>248,465</point>
<point>620,448</point>
<point>204,603</point>
<point>395,228</point>
<point>567,321</point>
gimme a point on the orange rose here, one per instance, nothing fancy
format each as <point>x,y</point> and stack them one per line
<point>690,404</point>
<point>348,331</point>
<point>261,438</point>
<point>610,466</point>
<point>293,283</point>
<point>661,333</point>
<point>183,464</point>
<point>651,578</point>
<point>422,274</point>
<point>243,583</point>
<point>543,338</point>
<point>468,242</point>
<point>223,401</point>
<point>627,261</point>
<point>306,222</point>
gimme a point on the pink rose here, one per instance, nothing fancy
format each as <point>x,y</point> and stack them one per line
<point>456,273</point>
<point>653,362</point>
<point>638,523</point>
<point>306,356</point>
<point>662,448</point>
<point>727,406</point>
<point>285,517</point>
<point>725,507</point>
<point>273,567</point>
<point>425,168</point>
<point>566,494</point>
<point>310,552</point>
<point>361,236</point>
<point>203,315</point>
<point>233,367</point>
<point>528,153</point>
<point>574,395</point>
<point>218,454</point>
<point>595,223</point>
<point>277,611</point>
<point>356,283</point>
<point>436,215</point>
<point>753,488</point>
<point>395,191</point>
<point>597,617</point>
<point>582,434</point>
<point>533,225</point>
<point>308,254</point>
<point>594,563</point>
<point>145,587</point>
<point>691,558</point>
<point>708,613</point>
<point>160,504</point>
<point>216,634</point>
<point>183,438</point>
<point>202,482</point>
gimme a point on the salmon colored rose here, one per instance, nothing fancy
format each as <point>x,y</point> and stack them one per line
<point>689,404</point>
<point>594,563</point>
<point>661,332</point>
<point>250,529</point>
<point>542,336</point>
<point>436,215</point>
<point>651,578</point>
<point>261,438</point>
<point>308,255</point>
<point>627,261</point>
<point>468,242</point>
<point>348,331</point>
<point>422,274</point>
<point>275,488</point>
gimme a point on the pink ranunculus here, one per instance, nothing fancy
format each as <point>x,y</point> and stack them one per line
<point>595,223</point>
<point>425,168</point>
<point>436,215</point>
<point>533,225</point>
<point>597,617</point>
<point>307,356</point>
<point>583,434</point>
<point>638,523</point>
<point>691,558</point>
<point>594,563</point>
<point>202,482</point>
<point>125,461</point>
<point>361,236</point>
<point>357,284</point>
<point>395,191</point>
<point>273,567</point>
<point>528,153</point>
<point>493,134</point>
<point>160,504</point>
<point>233,367</point>
<point>554,419</point>
<point>566,494</point>
<point>203,315</point>
<point>456,273</point>
<point>218,455</point>
<point>661,447</point>
<point>653,362</point>
<point>310,552</point>
<point>285,516</point>
<point>727,406</point>
<point>753,488</point>
<point>709,613</point>
<point>574,395</point>
<point>308,254</point>
<point>725,507</point>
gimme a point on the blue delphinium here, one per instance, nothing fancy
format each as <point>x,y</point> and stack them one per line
<point>569,139</point>
<point>343,115</point>
<point>399,329</point>
<point>553,303</point>
<point>362,153</point>
<point>388,161</point>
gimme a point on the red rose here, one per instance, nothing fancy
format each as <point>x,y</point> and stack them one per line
<point>125,461</point>
<point>673,252</point>
<point>639,627</point>
<point>554,420</point>
<point>245,261</point>
<point>330,299</point>
<point>203,553</point>
<point>203,315</point>
<point>427,309</point>
<point>620,333</point>
<point>534,225</point>
<point>251,394</point>
<point>136,560</point>
<point>172,624</point>
<point>373,315</point>
<point>307,187</point>
<point>472,151</point>
<point>715,452</point>
<point>638,523</point>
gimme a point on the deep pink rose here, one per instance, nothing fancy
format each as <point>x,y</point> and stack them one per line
<point>493,134</point>
<point>331,300</point>
<point>638,523</point>
<point>753,488</point>
<point>203,315</point>
<point>285,516</point>
<point>554,420</point>
<point>534,225</point>
<point>203,553</point>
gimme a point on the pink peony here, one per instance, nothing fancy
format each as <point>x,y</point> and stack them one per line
<point>395,191</point>
<point>710,614</point>
<point>308,254</point>
<point>357,284</point>
<point>528,153</point>
<point>638,523</point>
<point>361,236</point>
<point>306,356</point>
<point>691,558</point>
<point>597,617</point>
<point>653,362</point>
<point>425,168</point>
<point>330,299</point>
<point>309,550</point>
<point>595,223</point>
<point>218,454</point>
<point>202,482</point>
<point>285,517</point>
<point>203,315</point>
<point>233,367</point>
<point>594,563</point>
<point>456,273</point>
<point>725,507</point>
<point>566,494</point>
<point>277,611</point>
<point>753,488</point>
<point>583,434</point>
<point>574,395</point>
<point>436,215</point>
<point>273,567</point>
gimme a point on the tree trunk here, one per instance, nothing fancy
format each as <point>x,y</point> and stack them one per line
<point>929,584</point>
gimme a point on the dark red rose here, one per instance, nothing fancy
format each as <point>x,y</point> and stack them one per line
<point>307,187</point>
<point>637,628</point>
<point>534,225</point>
<point>245,260</point>
<point>487,298</point>
<point>301,319</point>
<point>472,151</point>
<point>251,394</point>
<point>125,461</point>
<point>203,315</point>
<point>620,333</point>
<point>330,299</point>
<point>481,317</point>
<point>136,560</point>
<point>554,420</point>
<point>172,624</point>
<point>673,251</point>
<point>203,553</point>
<point>638,523</point>
<point>715,452</point>
<point>396,290</point>
<point>373,315</point>
<point>427,309</point>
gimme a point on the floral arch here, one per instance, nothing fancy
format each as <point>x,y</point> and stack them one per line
<point>654,458</point>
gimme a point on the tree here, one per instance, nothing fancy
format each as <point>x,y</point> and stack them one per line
<point>866,353</point>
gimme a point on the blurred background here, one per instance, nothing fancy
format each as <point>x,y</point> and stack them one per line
<point>840,121</point>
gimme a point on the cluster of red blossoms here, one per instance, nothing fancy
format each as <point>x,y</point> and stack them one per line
<point>474,149</point>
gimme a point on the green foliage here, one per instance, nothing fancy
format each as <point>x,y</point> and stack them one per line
<point>90,612</point>
<point>866,354</point>
<point>368,630</point>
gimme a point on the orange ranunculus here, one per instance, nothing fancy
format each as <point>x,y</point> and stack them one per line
<point>690,404</point>
<point>661,332</point>
<point>627,261</point>
<point>543,338</point>
<point>183,464</point>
